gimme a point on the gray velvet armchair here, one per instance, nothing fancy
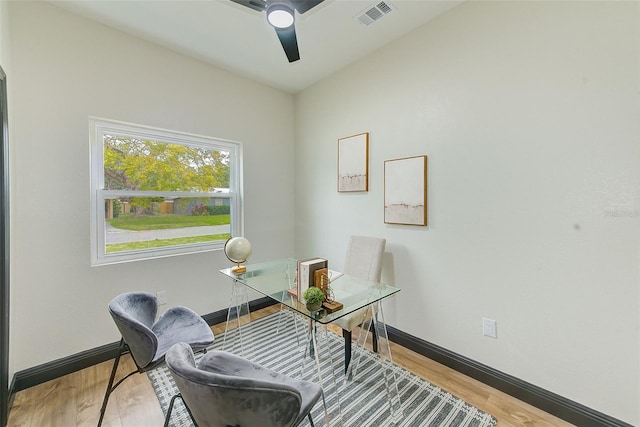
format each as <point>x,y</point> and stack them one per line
<point>148,340</point>
<point>223,389</point>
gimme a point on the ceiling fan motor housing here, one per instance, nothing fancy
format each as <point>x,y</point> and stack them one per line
<point>280,14</point>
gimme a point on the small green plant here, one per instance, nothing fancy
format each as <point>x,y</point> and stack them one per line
<point>313,295</point>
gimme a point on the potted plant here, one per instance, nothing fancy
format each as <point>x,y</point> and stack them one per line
<point>313,297</point>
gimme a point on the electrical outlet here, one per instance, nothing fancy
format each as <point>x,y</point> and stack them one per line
<point>489,328</point>
<point>162,297</point>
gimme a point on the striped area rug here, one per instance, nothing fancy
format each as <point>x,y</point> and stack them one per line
<point>363,401</point>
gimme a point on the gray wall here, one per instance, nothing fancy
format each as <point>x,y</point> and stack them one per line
<point>65,69</point>
<point>528,112</point>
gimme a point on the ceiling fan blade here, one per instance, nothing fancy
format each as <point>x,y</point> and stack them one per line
<point>289,42</point>
<point>259,5</point>
<point>304,5</point>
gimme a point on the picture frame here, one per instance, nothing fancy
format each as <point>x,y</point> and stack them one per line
<point>353,163</point>
<point>405,191</point>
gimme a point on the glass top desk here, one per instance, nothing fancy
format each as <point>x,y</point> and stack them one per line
<point>274,278</point>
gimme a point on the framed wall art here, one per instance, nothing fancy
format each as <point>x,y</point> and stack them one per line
<point>353,163</point>
<point>405,191</point>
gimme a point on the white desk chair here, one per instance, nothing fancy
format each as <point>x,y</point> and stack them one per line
<point>363,260</point>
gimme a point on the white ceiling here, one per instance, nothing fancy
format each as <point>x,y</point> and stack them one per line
<point>238,39</point>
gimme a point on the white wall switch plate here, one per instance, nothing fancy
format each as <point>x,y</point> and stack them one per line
<point>489,328</point>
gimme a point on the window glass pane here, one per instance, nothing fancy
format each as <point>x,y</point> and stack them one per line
<point>158,192</point>
<point>144,165</point>
<point>147,223</point>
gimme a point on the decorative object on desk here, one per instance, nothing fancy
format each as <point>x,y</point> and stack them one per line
<point>237,249</point>
<point>332,305</point>
<point>405,191</point>
<point>323,282</point>
<point>353,163</point>
<point>429,402</point>
<point>321,279</point>
<point>306,272</point>
<point>313,298</point>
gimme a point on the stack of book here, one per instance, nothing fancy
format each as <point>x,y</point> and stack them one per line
<point>305,275</point>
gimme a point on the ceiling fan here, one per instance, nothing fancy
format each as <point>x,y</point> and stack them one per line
<point>280,14</point>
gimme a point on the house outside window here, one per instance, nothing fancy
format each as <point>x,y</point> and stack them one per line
<point>157,192</point>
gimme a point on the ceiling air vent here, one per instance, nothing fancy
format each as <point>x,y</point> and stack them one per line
<point>374,13</point>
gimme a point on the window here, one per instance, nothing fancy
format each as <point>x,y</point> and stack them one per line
<point>156,192</point>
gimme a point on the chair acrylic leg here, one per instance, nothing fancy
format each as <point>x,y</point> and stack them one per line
<point>110,385</point>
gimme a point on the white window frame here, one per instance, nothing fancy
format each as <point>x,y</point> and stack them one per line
<point>98,127</point>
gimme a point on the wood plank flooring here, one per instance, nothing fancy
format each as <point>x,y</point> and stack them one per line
<point>75,399</point>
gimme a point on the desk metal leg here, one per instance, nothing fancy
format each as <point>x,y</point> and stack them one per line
<point>233,339</point>
<point>331,396</point>
<point>375,318</point>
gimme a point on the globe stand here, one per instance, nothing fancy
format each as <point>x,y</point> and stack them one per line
<point>239,269</point>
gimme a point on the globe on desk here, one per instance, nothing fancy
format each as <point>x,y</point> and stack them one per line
<point>237,249</point>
